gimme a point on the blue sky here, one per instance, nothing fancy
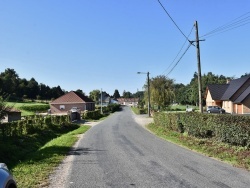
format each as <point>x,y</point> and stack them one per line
<point>94,44</point>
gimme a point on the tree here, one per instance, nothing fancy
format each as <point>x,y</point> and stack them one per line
<point>161,91</point>
<point>80,91</point>
<point>94,95</point>
<point>127,94</point>
<point>116,94</point>
<point>9,82</point>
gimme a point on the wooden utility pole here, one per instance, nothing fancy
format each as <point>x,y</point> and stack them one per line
<point>149,106</point>
<point>199,67</point>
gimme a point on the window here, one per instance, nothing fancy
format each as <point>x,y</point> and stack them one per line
<point>62,107</point>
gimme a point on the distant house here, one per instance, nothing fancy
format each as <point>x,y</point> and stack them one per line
<point>71,100</point>
<point>104,99</point>
<point>128,101</point>
<point>234,96</point>
<point>12,115</point>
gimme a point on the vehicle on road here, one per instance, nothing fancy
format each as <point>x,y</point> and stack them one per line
<point>6,178</point>
<point>215,109</point>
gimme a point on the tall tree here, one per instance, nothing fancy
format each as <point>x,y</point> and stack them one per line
<point>94,95</point>
<point>127,94</point>
<point>9,81</point>
<point>116,94</point>
<point>161,91</point>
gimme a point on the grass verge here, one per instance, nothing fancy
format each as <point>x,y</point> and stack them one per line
<point>234,155</point>
<point>34,170</point>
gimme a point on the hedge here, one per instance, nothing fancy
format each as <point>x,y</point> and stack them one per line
<point>35,108</point>
<point>33,124</point>
<point>231,129</point>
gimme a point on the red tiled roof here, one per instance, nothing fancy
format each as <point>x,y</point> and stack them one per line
<point>72,97</point>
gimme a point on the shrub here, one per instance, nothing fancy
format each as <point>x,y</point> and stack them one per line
<point>231,129</point>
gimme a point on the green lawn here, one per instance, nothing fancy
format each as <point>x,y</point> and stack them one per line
<point>19,105</point>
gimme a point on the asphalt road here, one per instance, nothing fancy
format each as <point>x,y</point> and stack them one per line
<point>120,153</point>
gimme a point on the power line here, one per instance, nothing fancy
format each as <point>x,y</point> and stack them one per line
<point>179,59</point>
<point>172,20</point>
<point>235,23</point>
<point>179,50</point>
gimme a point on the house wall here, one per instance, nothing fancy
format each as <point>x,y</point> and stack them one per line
<point>209,100</point>
<point>246,106</point>
<point>228,106</point>
<point>57,108</point>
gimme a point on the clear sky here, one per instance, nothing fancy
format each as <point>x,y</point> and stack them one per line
<point>94,44</point>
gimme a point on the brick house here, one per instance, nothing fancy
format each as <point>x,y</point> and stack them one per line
<point>70,100</point>
<point>234,96</point>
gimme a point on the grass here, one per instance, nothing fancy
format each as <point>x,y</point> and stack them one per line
<point>33,158</point>
<point>18,106</point>
<point>234,155</point>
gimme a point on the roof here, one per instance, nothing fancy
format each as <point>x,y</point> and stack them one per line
<point>217,90</point>
<point>72,97</point>
<point>233,87</point>
<point>225,92</point>
<point>244,95</point>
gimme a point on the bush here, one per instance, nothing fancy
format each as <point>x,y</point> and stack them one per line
<point>35,108</point>
<point>92,115</point>
<point>231,129</point>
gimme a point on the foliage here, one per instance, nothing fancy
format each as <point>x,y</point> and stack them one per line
<point>116,94</point>
<point>161,91</point>
<point>92,115</point>
<point>236,155</point>
<point>94,95</point>
<point>127,94</point>
<point>27,156</point>
<point>231,129</point>
<point>20,89</point>
<point>35,108</point>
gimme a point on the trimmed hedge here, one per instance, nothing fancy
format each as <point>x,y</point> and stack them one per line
<point>35,108</point>
<point>231,129</point>
<point>33,124</point>
<point>92,115</point>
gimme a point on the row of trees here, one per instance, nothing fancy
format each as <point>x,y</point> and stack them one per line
<point>20,88</point>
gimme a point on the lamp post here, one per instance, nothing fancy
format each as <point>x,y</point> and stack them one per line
<point>148,90</point>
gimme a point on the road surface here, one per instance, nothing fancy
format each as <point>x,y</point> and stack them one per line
<point>119,153</point>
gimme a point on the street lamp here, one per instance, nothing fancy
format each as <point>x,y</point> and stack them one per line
<point>148,91</point>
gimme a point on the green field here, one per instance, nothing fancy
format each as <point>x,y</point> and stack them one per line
<point>19,106</point>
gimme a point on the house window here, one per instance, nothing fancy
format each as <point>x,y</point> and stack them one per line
<point>62,107</point>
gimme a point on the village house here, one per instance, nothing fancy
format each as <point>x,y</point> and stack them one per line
<point>71,100</point>
<point>234,96</point>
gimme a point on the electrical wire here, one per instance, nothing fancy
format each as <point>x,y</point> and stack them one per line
<point>172,20</point>
<point>179,50</point>
<point>235,23</point>
<point>179,59</point>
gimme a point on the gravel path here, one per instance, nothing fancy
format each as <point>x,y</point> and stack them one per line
<point>59,176</point>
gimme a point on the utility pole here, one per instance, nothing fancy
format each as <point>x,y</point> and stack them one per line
<point>199,67</point>
<point>149,114</point>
